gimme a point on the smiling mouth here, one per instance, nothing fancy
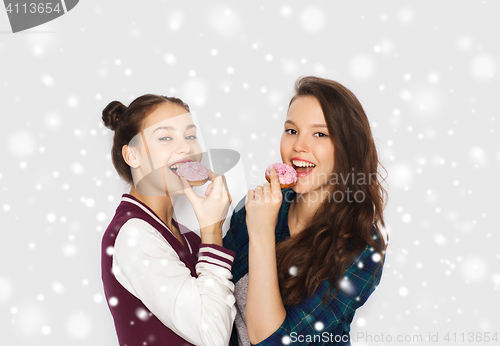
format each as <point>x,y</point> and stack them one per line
<point>302,166</point>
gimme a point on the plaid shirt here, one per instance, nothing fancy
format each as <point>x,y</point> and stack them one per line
<point>310,322</point>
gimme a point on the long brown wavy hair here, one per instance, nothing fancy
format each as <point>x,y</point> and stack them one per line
<point>339,230</point>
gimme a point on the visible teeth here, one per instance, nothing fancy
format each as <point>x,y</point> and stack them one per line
<point>174,167</point>
<point>303,164</point>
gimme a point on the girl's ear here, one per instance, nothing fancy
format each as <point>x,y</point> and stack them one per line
<point>130,157</point>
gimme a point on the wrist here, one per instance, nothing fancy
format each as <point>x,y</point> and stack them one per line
<point>265,237</point>
<point>211,229</point>
<point>211,238</point>
<point>211,234</point>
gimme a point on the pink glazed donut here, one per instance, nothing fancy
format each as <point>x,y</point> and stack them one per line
<point>287,175</point>
<point>195,173</point>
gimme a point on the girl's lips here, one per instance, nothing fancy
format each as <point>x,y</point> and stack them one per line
<point>181,161</point>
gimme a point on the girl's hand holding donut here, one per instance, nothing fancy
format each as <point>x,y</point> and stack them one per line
<point>262,207</point>
<point>211,210</point>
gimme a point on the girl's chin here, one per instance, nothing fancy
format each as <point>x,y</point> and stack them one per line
<point>306,188</point>
<point>302,188</point>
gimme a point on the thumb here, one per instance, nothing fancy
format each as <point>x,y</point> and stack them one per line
<point>209,189</point>
<point>275,180</point>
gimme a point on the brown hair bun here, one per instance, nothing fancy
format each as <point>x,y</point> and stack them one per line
<point>112,113</point>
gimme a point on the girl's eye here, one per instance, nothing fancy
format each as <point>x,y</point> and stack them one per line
<point>165,138</point>
<point>321,134</point>
<point>191,137</point>
<point>291,131</point>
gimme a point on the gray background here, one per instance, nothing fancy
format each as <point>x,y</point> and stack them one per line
<point>426,73</point>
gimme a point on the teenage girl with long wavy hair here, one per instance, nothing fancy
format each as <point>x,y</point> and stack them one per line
<point>309,256</point>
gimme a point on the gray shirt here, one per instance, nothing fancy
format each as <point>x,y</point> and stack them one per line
<point>240,293</point>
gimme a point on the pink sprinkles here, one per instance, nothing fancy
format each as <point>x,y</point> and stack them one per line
<point>287,175</point>
<point>193,171</point>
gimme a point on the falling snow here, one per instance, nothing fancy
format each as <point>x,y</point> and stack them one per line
<point>426,82</point>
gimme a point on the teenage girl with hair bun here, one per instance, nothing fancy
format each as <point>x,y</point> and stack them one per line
<point>163,283</point>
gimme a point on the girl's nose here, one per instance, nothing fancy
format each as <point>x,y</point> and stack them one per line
<point>184,148</point>
<point>300,144</point>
